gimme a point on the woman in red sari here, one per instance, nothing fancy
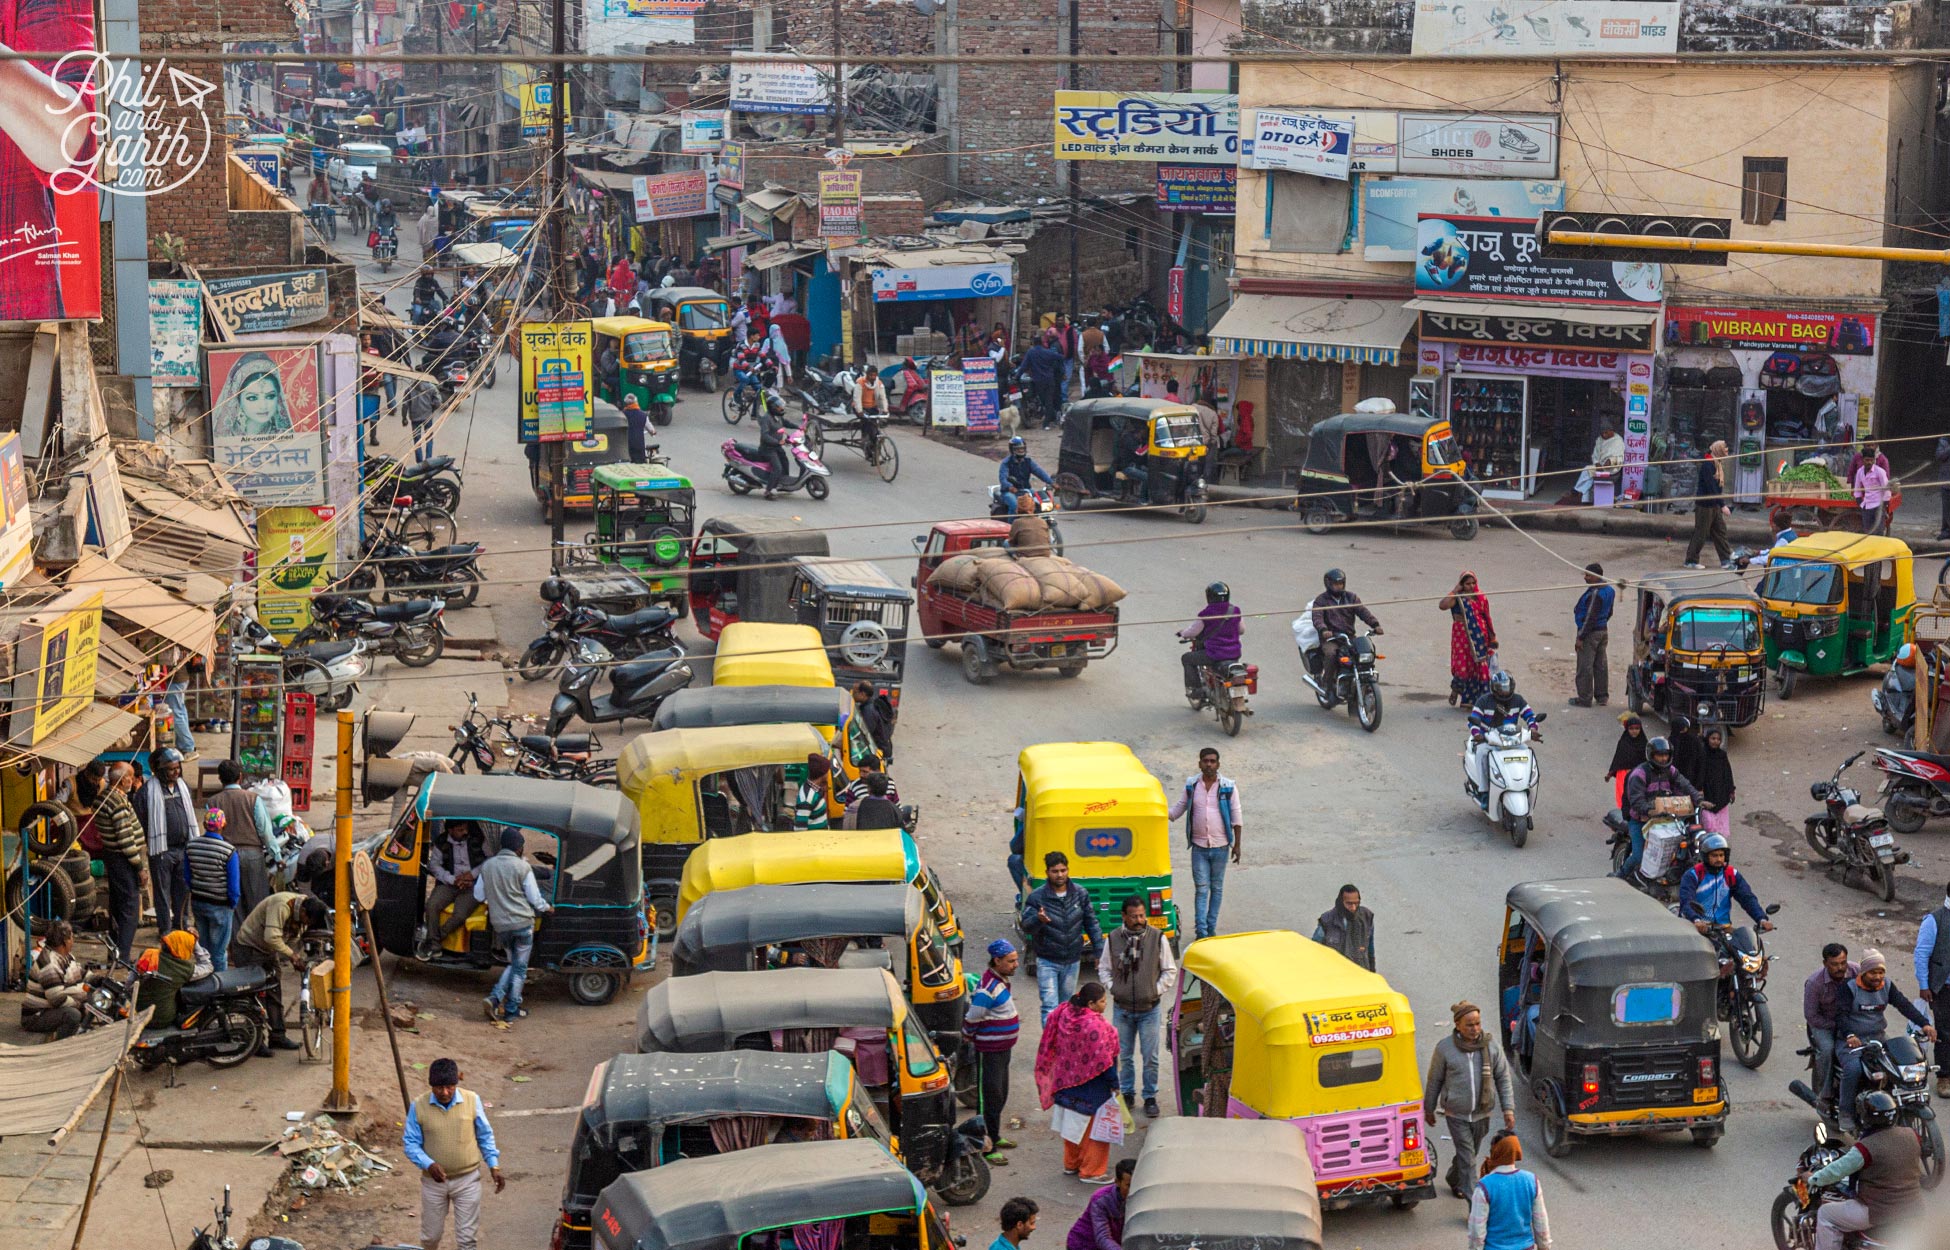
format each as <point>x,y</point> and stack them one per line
<point>1076,1074</point>
<point>1472,641</point>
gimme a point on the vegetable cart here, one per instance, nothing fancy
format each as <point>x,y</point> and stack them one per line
<point>1815,499</point>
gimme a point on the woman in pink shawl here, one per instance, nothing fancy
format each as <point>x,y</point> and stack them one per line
<point>1076,1073</point>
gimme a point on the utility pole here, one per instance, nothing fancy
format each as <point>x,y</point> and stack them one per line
<point>1076,177</point>
<point>839,85</point>
<point>558,177</point>
<point>341,1101</point>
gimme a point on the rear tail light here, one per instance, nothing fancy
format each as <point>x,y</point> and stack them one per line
<point>561,1233</point>
<point>1252,678</point>
<point>1708,1070</point>
<point>1411,1133</point>
<point>1590,1079</point>
<point>1157,901</point>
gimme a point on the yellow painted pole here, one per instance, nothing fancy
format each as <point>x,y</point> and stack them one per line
<point>1670,243</point>
<point>341,1098</point>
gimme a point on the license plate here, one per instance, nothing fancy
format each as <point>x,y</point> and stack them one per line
<point>1412,1159</point>
<point>1057,648</point>
<point>1882,839</point>
<point>1513,759</point>
<point>1710,1093</point>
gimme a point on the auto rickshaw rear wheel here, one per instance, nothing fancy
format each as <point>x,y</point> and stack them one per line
<point>1068,500</point>
<point>1634,696</point>
<point>1316,518</point>
<point>666,909</point>
<point>1707,1138</point>
<point>1557,1128</point>
<point>592,987</point>
<point>1462,529</point>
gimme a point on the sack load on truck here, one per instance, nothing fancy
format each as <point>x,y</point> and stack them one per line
<point>1028,584</point>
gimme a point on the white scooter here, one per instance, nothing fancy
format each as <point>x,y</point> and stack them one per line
<point>1500,772</point>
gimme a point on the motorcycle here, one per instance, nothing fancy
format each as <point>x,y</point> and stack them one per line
<point>746,468</point>
<point>1915,787</point>
<point>1671,848</point>
<point>1899,1066</point>
<point>1852,837</point>
<point>911,402</point>
<point>625,635</point>
<point>433,481</point>
<point>564,757</point>
<point>636,689</point>
<point>1742,997</point>
<point>453,571</point>
<point>1500,773</point>
<point>1046,505</point>
<point>222,1022</point>
<point>1354,681</point>
<point>1895,702</point>
<point>385,247</point>
<point>1223,687</point>
<point>822,391</point>
<point>1798,1206</point>
<point>474,738</point>
<point>217,1236</point>
<point>327,671</point>
<point>412,632</point>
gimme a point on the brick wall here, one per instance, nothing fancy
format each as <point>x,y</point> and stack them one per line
<point>920,171</point>
<point>1113,270</point>
<point>884,215</point>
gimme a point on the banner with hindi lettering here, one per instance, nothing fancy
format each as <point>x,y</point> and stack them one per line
<point>1183,128</point>
<point>269,301</point>
<point>264,422</point>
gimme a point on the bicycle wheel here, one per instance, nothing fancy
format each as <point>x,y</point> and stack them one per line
<point>428,526</point>
<point>315,1031</point>
<point>886,458</point>
<point>733,404</point>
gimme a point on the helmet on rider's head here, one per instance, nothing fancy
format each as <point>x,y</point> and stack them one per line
<point>774,404</point>
<point>1714,842</point>
<point>1681,724</point>
<point>1657,747</point>
<point>554,590</point>
<point>1873,1110</point>
<point>1017,447</point>
<point>1502,685</point>
<point>1218,592</point>
<point>164,755</point>
<point>1333,577</point>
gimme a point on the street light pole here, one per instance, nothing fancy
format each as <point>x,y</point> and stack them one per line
<point>839,84</point>
<point>340,1100</point>
<point>558,177</point>
<point>1076,177</point>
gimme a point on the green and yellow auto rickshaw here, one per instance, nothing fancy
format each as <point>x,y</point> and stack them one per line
<point>646,364</point>
<point>702,319</point>
<point>645,515</point>
<point>1834,603</point>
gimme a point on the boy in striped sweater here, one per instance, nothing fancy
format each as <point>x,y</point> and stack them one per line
<point>991,1026</point>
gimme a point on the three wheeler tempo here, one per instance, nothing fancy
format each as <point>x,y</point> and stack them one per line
<point>1835,603</point>
<point>606,442</point>
<point>1097,803</point>
<point>830,925</point>
<point>1222,1185</point>
<point>1135,452</point>
<point>1384,464</point>
<point>839,1195</point>
<point>644,516</point>
<point>859,1012</point>
<point>742,569</point>
<point>702,318</point>
<point>595,934</point>
<point>646,364</point>
<point>1697,652</point>
<point>647,1111</point>
<point>1608,1009</point>
<point>1272,1026</point>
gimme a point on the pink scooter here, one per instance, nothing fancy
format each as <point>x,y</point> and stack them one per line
<point>747,468</point>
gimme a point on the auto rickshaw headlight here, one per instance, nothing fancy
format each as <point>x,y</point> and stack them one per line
<point>1705,709</point>
<point>1822,626</point>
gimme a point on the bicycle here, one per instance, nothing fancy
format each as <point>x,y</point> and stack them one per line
<point>314,1022</point>
<point>862,434</point>
<point>740,400</point>
<point>324,218</point>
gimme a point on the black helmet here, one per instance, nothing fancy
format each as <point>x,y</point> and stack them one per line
<point>1017,446</point>
<point>1873,1110</point>
<point>1502,685</point>
<point>1658,746</point>
<point>1681,724</point>
<point>1331,576</point>
<point>554,590</point>
<point>164,755</point>
<point>773,404</point>
<point>1218,592</point>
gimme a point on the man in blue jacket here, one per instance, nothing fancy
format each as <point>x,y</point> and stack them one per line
<point>1711,887</point>
<point>1060,922</point>
<point>1593,619</point>
<point>1016,472</point>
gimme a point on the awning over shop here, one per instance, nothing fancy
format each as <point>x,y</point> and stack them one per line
<point>1576,314</point>
<point>94,729</point>
<point>1297,327</point>
<point>147,606</point>
<point>725,242</point>
<point>916,279</point>
<point>782,254</point>
<point>771,199</point>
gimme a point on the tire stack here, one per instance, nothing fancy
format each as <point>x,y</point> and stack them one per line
<point>63,878</point>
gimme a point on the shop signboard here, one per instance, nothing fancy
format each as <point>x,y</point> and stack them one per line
<point>1772,330</point>
<point>270,301</point>
<point>702,131</point>
<point>538,107</point>
<point>555,373</point>
<point>770,86</point>
<point>947,398</point>
<point>665,197</point>
<point>653,8</point>
<point>175,331</point>
<point>54,665</point>
<point>1542,330</point>
<point>1293,142</point>
<point>1391,207</point>
<point>1175,293</point>
<point>16,523</point>
<point>1210,189</point>
<point>1638,423</point>
<point>982,400</point>
<point>1499,258</point>
<point>1557,361</point>
<point>839,203</point>
<point>294,562</point>
<point>1377,141</point>
<point>1182,128</point>
<point>1479,145</point>
<point>264,421</point>
<point>266,163</point>
<point>943,282</point>
<point>731,165</point>
<point>1545,28</point>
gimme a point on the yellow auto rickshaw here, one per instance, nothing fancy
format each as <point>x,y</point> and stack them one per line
<point>702,319</point>
<point>811,856</point>
<point>1834,603</point>
<point>1096,803</point>
<point>646,364</point>
<point>1272,1026</point>
<point>1133,451</point>
<point>1696,652</point>
<point>759,653</point>
<point>688,785</point>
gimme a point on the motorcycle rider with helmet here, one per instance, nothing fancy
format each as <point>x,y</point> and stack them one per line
<point>1654,778</point>
<point>1214,636</point>
<point>1335,609</point>
<point>1500,704</point>
<point>1016,473</point>
<point>429,297</point>
<point>1887,1164</point>
<point>772,426</point>
<point>1711,887</point>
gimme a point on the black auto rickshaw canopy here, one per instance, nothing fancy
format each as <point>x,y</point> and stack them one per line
<point>712,1010</point>
<point>1086,415</point>
<point>1621,953</point>
<point>648,1092</point>
<point>596,830</point>
<point>715,1203</point>
<point>763,570</point>
<point>1223,1184</point>
<point>717,707</point>
<point>766,915</point>
<point>1354,446</point>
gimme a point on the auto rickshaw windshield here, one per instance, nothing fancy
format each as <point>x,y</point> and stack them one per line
<point>1177,431</point>
<point>705,315</point>
<point>1716,629</point>
<point>1811,583</point>
<point>934,965</point>
<point>1442,451</point>
<point>646,346</point>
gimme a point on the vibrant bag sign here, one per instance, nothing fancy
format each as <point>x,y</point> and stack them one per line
<point>1754,329</point>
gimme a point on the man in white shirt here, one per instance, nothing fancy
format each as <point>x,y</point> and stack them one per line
<point>1607,457</point>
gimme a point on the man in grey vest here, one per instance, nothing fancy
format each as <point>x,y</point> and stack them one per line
<point>506,884</point>
<point>1933,980</point>
<point>1136,964</point>
<point>1864,1002</point>
<point>1887,1164</point>
<point>1348,927</point>
<point>246,826</point>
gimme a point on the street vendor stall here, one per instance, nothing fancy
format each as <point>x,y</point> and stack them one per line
<point>1810,496</point>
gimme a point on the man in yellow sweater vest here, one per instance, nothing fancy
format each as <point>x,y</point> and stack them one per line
<point>449,1139</point>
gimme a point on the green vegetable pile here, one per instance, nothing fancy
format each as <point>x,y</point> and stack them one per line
<point>1816,474</point>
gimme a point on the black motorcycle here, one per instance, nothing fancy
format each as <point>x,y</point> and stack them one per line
<point>1901,1068</point>
<point>1355,682</point>
<point>1798,1205</point>
<point>222,1022</point>
<point>217,1236</point>
<point>453,572</point>
<point>563,757</point>
<point>1742,997</point>
<point>413,632</point>
<point>1854,838</point>
<point>434,480</point>
<point>636,688</point>
<point>625,635</point>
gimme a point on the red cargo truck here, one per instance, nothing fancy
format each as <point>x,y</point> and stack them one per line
<point>1064,639</point>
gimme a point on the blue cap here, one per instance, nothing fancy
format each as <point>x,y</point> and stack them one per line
<point>1001,947</point>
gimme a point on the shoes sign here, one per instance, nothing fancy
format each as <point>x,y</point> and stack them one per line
<point>1476,145</point>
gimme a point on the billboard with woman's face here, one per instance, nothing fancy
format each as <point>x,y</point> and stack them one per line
<point>264,422</point>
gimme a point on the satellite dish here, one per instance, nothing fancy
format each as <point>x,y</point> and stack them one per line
<point>926,8</point>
